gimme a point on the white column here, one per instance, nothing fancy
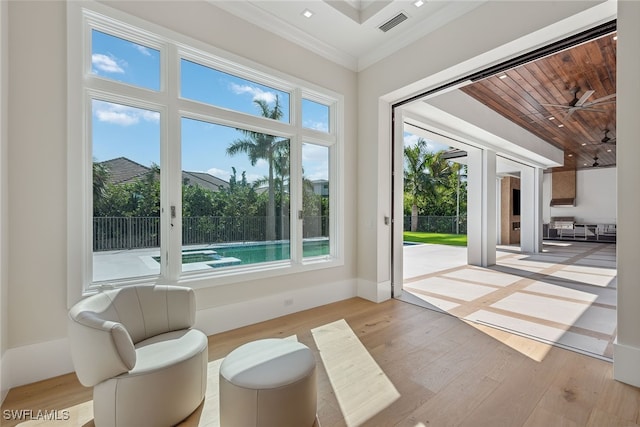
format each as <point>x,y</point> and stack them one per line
<point>498,209</point>
<point>531,210</point>
<point>489,208</point>
<point>626,356</point>
<point>481,208</point>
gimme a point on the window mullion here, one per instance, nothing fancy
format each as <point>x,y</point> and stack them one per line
<point>209,113</point>
<point>172,162</point>
<point>295,179</point>
<point>336,183</point>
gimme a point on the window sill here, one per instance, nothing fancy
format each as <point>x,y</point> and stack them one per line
<point>207,279</point>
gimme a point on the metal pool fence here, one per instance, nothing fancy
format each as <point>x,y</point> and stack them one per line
<point>119,233</point>
<point>438,224</point>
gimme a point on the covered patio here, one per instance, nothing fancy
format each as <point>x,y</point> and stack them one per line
<point>564,296</point>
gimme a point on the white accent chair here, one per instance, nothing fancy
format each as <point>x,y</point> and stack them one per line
<point>136,347</point>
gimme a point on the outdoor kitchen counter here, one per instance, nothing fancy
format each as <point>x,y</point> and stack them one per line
<point>592,232</point>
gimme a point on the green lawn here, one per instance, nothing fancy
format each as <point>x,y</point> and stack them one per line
<point>436,238</point>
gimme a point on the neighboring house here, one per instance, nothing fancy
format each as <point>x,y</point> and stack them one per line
<point>321,187</point>
<point>123,170</point>
<point>205,180</point>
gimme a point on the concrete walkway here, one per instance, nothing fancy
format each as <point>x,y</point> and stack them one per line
<point>564,296</point>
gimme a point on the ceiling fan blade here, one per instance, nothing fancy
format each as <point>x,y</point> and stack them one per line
<point>595,110</point>
<point>601,100</point>
<point>569,114</point>
<point>557,106</point>
<point>584,98</point>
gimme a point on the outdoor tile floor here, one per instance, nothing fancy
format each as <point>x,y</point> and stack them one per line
<point>564,296</point>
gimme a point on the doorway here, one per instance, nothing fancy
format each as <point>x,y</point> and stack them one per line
<point>494,287</point>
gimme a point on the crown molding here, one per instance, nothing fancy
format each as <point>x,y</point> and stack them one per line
<point>254,14</point>
<point>438,19</point>
<point>280,27</point>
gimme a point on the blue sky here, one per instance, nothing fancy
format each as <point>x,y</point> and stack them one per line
<point>410,140</point>
<point>124,131</point>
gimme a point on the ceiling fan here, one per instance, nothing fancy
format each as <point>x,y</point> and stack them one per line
<point>606,139</point>
<point>581,104</point>
<point>595,161</point>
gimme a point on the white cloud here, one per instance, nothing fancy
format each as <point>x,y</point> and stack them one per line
<point>411,140</point>
<point>122,115</point>
<point>148,116</point>
<point>315,162</point>
<point>251,177</point>
<point>143,50</point>
<point>220,173</point>
<point>107,63</point>
<point>319,126</point>
<point>256,92</point>
<point>317,174</point>
<point>314,153</point>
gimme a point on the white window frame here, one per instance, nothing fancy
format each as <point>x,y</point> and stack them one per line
<point>82,87</point>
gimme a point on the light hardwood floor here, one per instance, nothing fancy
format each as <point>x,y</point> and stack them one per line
<point>396,364</point>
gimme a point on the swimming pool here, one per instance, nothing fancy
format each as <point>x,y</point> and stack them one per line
<point>224,255</point>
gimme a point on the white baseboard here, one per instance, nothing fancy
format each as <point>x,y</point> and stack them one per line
<point>36,362</point>
<point>626,363</point>
<point>227,317</point>
<point>376,292</point>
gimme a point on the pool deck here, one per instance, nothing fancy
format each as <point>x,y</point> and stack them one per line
<point>124,264</point>
<point>111,266</point>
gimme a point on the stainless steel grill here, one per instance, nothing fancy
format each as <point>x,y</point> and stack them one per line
<point>562,223</point>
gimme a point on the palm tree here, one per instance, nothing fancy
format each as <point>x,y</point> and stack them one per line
<point>415,177</point>
<point>262,146</point>
<point>423,173</point>
<point>281,167</point>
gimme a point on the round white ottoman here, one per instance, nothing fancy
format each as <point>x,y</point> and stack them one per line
<point>268,383</point>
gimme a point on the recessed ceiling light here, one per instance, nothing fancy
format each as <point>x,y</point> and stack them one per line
<point>570,155</point>
<point>585,164</point>
<point>584,143</point>
<point>608,150</point>
<point>504,76</point>
<point>307,13</point>
<point>615,37</point>
<point>560,125</point>
<point>552,118</point>
<point>418,3</point>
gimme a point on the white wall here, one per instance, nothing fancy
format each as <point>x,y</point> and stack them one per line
<point>37,193</point>
<point>596,197</point>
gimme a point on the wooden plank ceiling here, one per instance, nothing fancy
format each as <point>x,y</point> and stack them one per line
<point>551,98</point>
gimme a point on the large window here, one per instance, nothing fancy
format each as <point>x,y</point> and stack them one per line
<point>246,219</point>
<point>187,166</point>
